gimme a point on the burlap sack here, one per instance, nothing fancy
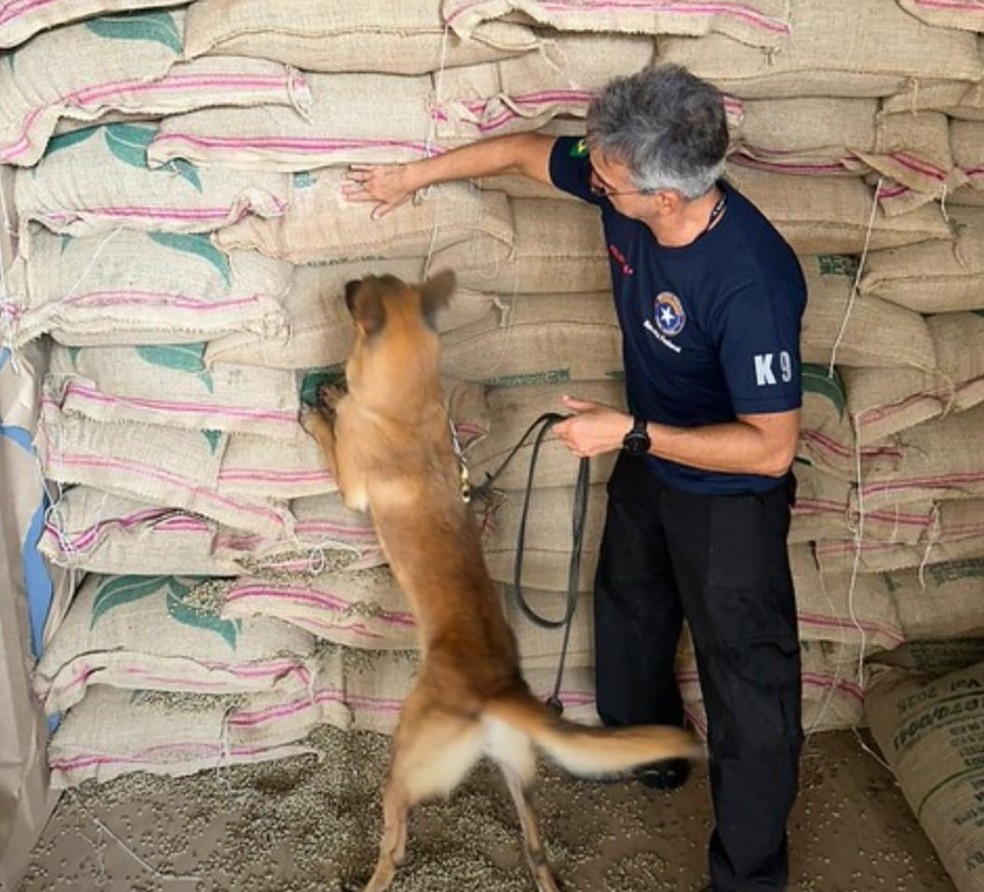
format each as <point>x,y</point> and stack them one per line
<point>821,507</point>
<point>524,92</point>
<point>97,57</point>
<point>838,607</point>
<point>912,152</point>
<point>319,35</point>
<point>357,608</point>
<point>114,732</point>
<point>966,16</point>
<point>258,467</point>
<point>882,402</point>
<point>541,338</point>
<point>559,247</point>
<point>967,142</point>
<point>934,276</point>
<point>262,468</point>
<point>948,538</point>
<point>951,536</point>
<point>321,226</point>
<point>368,688</point>
<point>764,23</point>
<point>319,327</point>
<point>18,23</point>
<point>835,215</point>
<point>928,730</point>
<point>939,459</point>
<point>97,179</point>
<point>806,135</point>
<point>958,339</point>
<point>92,530</point>
<point>826,439</point>
<point>132,287</point>
<point>540,647</point>
<point>955,99</point>
<point>164,633</point>
<point>885,49</point>
<point>338,126</point>
<point>935,657</point>
<point>171,385</point>
<point>99,532</point>
<point>547,551</point>
<point>512,410</point>
<point>123,65</point>
<point>163,466</point>
<point>837,322</point>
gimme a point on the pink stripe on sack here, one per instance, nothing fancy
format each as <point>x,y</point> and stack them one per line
<point>200,215</point>
<point>829,622</point>
<point>13,9</point>
<point>156,299</point>
<point>951,4</point>
<point>737,11</point>
<point>132,467</point>
<point>80,391</point>
<point>295,144</point>
<point>831,445</point>
<point>834,168</point>
<point>87,537</point>
<point>147,756</point>
<point>169,84</point>
<point>255,476</point>
<point>945,481</point>
<point>918,165</point>
<point>316,599</point>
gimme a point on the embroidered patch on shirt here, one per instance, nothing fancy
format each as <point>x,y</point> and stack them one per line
<point>580,149</point>
<point>670,317</point>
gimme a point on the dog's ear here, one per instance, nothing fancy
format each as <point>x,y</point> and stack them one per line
<point>435,294</point>
<point>365,303</point>
<point>351,289</point>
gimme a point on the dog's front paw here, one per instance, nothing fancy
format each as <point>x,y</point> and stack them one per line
<point>313,418</point>
<point>329,395</point>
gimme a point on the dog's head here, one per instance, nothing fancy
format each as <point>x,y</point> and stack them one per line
<point>396,352</point>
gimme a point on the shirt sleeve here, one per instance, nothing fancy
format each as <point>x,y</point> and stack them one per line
<point>570,168</point>
<point>759,339</point>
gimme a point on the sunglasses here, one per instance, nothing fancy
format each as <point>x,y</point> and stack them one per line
<point>601,189</point>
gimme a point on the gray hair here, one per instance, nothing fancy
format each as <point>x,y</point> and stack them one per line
<point>667,125</point>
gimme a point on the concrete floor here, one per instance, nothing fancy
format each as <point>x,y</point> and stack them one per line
<point>301,825</point>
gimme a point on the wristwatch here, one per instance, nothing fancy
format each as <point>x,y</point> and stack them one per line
<point>636,441</point>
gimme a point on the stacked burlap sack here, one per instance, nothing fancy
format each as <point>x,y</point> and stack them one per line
<point>185,259</point>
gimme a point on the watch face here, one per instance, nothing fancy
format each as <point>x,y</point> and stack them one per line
<point>636,442</point>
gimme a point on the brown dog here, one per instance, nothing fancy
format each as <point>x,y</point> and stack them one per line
<point>388,444</point>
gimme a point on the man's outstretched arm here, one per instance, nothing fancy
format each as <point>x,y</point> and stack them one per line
<point>389,185</point>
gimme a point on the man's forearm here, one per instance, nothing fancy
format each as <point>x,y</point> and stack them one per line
<point>523,153</point>
<point>732,448</point>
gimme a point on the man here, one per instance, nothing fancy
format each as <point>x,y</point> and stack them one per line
<point>709,300</point>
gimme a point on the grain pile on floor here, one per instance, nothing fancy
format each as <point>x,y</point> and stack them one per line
<point>184,259</point>
<point>298,826</point>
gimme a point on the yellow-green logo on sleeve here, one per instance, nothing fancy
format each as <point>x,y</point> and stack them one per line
<point>580,149</point>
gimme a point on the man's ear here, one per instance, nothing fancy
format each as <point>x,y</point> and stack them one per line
<point>365,303</point>
<point>435,294</point>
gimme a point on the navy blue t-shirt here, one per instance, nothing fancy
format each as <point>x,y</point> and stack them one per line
<point>710,330</point>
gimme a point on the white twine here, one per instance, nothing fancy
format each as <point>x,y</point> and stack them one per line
<point>103,879</point>
<point>857,277</point>
<point>85,270</point>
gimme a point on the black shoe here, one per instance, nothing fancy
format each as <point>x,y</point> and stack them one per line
<point>667,774</point>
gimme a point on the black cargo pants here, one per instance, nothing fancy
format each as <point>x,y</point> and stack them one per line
<point>721,563</point>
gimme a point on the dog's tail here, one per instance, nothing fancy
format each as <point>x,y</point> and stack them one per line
<point>589,751</point>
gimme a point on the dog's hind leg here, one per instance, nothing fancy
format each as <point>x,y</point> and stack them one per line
<point>432,751</point>
<point>513,753</point>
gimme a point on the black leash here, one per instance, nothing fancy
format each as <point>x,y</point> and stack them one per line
<point>541,426</point>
